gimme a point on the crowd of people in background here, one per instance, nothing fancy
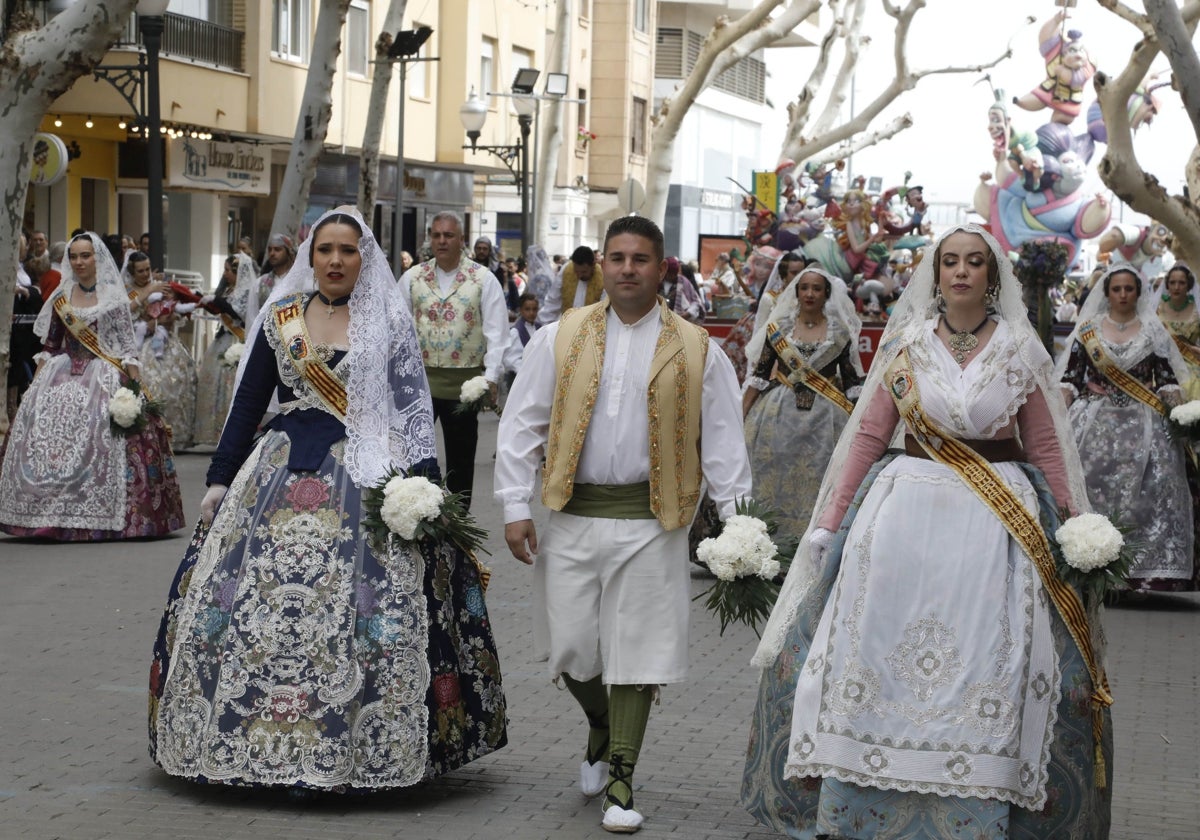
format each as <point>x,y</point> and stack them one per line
<point>327,368</point>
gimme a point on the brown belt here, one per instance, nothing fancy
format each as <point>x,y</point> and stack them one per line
<point>995,451</point>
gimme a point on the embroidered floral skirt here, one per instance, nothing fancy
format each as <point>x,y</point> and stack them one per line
<point>65,476</point>
<point>855,800</point>
<point>169,374</point>
<point>1136,475</point>
<point>789,450</point>
<point>215,391</point>
<point>292,653</point>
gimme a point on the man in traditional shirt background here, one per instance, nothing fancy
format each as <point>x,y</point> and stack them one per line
<point>576,284</point>
<point>462,325</point>
<point>281,253</point>
<point>633,409</point>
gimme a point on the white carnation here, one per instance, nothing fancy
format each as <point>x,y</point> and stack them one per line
<point>409,501</point>
<point>125,407</point>
<point>1089,541</point>
<point>1187,414</point>
<point>233,355</point>
<point>473,390</point>
<point>744,548</point>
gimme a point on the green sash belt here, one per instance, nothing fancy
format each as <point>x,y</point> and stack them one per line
<point>610,501</point>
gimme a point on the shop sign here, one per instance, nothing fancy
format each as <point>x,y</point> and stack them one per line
<point>50,159</point>
<point>218,166</point>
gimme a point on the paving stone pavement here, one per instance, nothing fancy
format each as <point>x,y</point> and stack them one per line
<point>77,623</point>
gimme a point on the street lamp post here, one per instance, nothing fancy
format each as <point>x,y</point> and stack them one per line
<point>150,22</point>
<point>473,114</point>
<point>404,49</point>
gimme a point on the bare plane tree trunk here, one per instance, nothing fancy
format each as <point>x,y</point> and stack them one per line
<point>1120,169</point>
<point>381,81</point>
<point>728,43</point>
<point>554,128</point>
<point>36,67</point>
<point>312,124</point>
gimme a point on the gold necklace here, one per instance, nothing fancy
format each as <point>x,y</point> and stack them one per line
<point>963,342</point>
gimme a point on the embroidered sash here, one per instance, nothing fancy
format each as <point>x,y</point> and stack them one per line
<point>84,334</point>
<point>294,338</point>
<point>983,480</point>
<point>803,372</point>
<point>238,332</point>
<point>1113,372</point>
<point>1190,352</point>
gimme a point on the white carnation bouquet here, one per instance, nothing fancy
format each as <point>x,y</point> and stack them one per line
<point>411,508</point>
<point>129,409</point>
<point>233,354</point>
<point>476,396</point>
<point>1092,555</point>
<point>1183,422</point>
<point>747,564</point>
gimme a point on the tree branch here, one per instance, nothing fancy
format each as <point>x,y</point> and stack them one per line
<point>862,141</point>
<point>1175,41</point>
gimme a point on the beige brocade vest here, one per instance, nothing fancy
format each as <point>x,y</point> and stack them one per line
<point>570,286</point>
<point>673,400</point>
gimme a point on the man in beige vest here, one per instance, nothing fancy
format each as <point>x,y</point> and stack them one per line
<point>462,326</point>
<point>578,283</point>
<point>633,410</point>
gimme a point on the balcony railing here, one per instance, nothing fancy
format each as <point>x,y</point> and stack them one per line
<point>192,38</point>
<point>183,37</point>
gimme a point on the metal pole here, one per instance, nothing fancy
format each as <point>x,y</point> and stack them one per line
<point>152,28</point>
<point>537,138</point>
<point>525,120</point>
<point>398,231</point>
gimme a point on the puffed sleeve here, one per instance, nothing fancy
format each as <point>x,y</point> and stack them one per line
<point>259,381</point>
<point>1077,368</point>
<point>872,440</point>
<point>1041,445</point>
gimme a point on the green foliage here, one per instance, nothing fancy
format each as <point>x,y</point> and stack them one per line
<point>455,524</point>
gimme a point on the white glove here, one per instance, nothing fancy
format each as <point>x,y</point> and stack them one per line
<point>207,299</point>
<point>184,308</point>
<point>212,500</point>
<point>154,297</point>
<point>818,543</point>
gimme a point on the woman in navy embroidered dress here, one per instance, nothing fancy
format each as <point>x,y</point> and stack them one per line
<point>294,651</point>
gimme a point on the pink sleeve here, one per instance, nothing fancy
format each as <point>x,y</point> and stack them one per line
<point>1041,446</point>
<point>871,441</point>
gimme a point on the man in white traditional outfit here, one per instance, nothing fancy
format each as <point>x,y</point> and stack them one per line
<point>576,284</point>
<point>621,492</point>
<point>462,325</point>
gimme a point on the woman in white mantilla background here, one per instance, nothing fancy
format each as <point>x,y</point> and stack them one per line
<point>1122,374</point>
<point>917,681</point>
<point>235,302</point>
<point>797,396</point>
<point>68,473</point>
<point>298,649</point>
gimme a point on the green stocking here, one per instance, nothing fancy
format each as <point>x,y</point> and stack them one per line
<point>592,696</point>
<point>629,710</point>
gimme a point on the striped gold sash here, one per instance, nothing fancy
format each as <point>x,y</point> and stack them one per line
<point>983,480</point>
<point>1190,352</point>
<point>1113,372</point>
<point>803,372</point>
<point>84,334</point>
<point>329,389</point>
<point>238,332</point>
